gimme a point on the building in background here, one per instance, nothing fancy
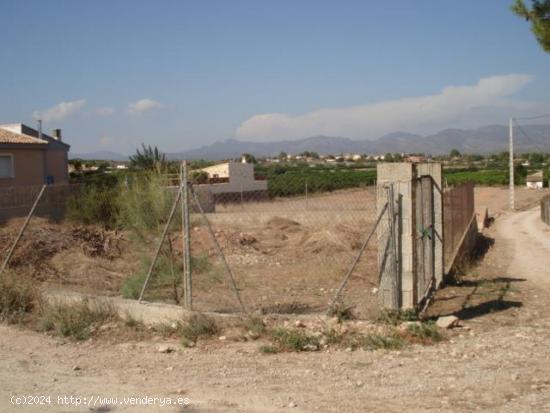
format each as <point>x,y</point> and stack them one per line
<point>28,157</point>
<point>233,182</point>
<point>535,181</point>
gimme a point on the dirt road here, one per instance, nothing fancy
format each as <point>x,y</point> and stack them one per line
<point>499,362</point>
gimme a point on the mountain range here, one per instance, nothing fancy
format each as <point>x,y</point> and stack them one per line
<point>487,139</point>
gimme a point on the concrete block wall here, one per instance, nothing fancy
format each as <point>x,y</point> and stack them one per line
<point>396,290</point>
<point>399,290</point>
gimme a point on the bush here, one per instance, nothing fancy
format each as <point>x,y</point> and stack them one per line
<point>146,205</point>
<point>94,204</point>
<point>18,297</point>
<point>197,326</point>
<point>167,273</point>
<point>267,349</point>
<point>425,332</point>
<point>395,317</point>
<point>293,340</point>
<point>75,320</point>
<point>373,342</point>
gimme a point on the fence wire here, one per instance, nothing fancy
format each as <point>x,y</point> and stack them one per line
<point>287,251</point>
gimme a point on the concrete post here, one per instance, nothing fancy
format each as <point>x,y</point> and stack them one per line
<point>403,177</point>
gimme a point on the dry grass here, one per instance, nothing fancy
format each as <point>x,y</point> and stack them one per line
<point>18,298</point>
<point>79,320</point>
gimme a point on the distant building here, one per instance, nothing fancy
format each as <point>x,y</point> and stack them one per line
<point>234,181</point>
<point>28,157</point>
<point>416,158</point>
<point>535,181</point>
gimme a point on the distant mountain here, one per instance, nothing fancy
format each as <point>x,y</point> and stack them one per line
<point>487,139</point>
<point>99,155</point>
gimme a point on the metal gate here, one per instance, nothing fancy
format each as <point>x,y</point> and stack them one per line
<point>425,237</point>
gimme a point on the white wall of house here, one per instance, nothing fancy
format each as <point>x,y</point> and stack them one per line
<point>241,178</point>
<point>534,185</point>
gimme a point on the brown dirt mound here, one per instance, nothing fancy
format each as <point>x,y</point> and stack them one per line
<point>280,224</point>
<point>43,240</point>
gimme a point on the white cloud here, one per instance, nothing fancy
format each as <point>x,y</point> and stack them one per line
<point>59,111</point>
<point>486,102</point>
<point>104,111</point>
<point>143,105</point>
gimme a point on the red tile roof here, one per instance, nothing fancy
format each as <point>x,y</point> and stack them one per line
<point>7,136</point>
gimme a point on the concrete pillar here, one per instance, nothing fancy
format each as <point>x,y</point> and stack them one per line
<point>403,176</point>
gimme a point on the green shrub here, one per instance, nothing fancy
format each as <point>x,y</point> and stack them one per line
<point>395,317</point>
<point>294,340</point>
<point>198,326</point>
<point>145,206</point>
<point>18,297</point>
<point>373,342</point>
<point>75,320</point>
<point>166,273</point>
<point>255,325</point>
<point>426,332</point>
<point>94,204</point>
<point>267,349</point>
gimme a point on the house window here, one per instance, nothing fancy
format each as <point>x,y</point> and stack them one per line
<point>6,166</point>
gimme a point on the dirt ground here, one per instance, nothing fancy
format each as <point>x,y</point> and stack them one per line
<point>498,361</point>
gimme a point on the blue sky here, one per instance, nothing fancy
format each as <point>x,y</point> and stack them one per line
<point>180,74</point>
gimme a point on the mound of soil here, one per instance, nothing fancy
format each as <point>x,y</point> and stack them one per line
<point>43,240</point>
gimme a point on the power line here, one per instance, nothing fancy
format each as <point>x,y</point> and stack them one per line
<point>526,135</point>
<point>547,115</point>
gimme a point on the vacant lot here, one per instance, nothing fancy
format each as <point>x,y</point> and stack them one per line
<point>287,255</point>
<point>495,362</point>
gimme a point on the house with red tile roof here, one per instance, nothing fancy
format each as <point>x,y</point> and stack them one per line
<point>29,157</point>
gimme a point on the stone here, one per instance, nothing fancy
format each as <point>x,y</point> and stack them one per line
<point>449,321</point>
<point>310,347</point>
<point>76,368</point>
<point>299,323</point>
<point>165,349</point>
<point>292,405</point>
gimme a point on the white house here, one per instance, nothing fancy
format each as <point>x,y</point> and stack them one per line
<point>234,177</point>
<point>535,181</point>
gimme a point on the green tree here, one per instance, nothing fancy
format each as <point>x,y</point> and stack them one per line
<point>149,159</point>
<point>539,16</point>
<point>455,153</point>
<point>249,158</point>
<point>282,156</point>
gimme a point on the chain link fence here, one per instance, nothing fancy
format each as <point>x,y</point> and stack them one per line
<point>273,249</point>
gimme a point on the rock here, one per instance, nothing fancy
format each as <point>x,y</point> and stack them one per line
<point>222,338</point>
<point>449,321</point>
<point>165,349</point>
<point>310,347</point>
<point>76,368</point>
<point>299,323</point>
<point>253,335</point>
<point>292,405</point>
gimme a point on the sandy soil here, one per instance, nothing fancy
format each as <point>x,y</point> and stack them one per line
<point>498,361</point>
<point>496,198</point>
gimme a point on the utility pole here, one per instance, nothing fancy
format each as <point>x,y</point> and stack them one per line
<point>511,150</point>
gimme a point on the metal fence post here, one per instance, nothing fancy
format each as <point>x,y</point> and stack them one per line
<point>22,230</point>
<point>393,247</point>
<point>187,281</point>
